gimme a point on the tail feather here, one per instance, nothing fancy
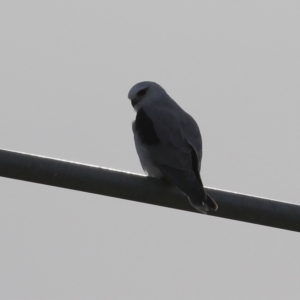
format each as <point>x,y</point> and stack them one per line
<point>204,206</point>
<point>211,203</point>
<point>192,187</point>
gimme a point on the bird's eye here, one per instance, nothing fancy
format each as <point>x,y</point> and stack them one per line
<point>142,92</point>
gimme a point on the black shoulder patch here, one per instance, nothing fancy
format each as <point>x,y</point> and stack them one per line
<point>145,129</point>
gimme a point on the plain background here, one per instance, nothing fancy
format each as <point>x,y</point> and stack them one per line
<point>66,68</point>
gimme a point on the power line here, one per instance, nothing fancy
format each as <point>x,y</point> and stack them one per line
<point>108,182</point>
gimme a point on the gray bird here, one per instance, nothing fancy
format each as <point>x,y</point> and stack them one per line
<point>168,142</point>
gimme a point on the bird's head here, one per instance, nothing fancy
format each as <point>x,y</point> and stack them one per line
<point>145,93</point>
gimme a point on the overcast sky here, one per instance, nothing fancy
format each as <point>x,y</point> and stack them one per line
<point>65,70</point>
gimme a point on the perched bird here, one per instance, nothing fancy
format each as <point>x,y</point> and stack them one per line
<point>168,142</point>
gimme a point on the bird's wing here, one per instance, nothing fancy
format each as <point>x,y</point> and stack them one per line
<point>179,136</point>
<point>193,136</point>
<point>178,154</point>
<point>172,149</point>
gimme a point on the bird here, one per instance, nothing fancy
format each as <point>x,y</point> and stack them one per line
<point>168,142</point>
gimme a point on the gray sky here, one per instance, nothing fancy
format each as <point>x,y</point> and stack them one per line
<point>65,71</point>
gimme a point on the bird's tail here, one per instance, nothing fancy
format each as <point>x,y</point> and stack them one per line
<point>211,203</point>
<point>192,187</point>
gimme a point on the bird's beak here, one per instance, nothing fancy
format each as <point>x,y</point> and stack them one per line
<point>134,101</point>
